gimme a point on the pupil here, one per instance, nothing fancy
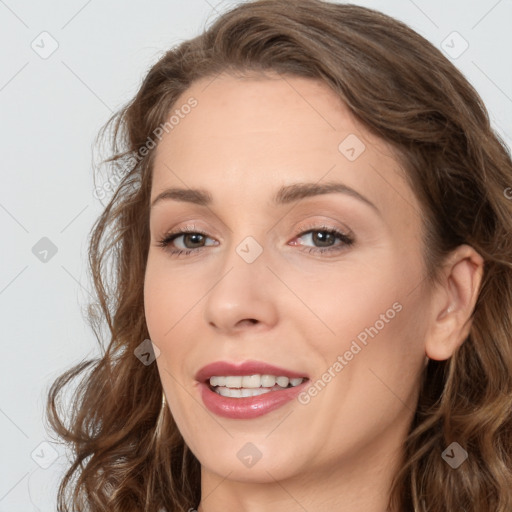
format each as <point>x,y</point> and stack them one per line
<point>321,237</point>
<point>196,236</point>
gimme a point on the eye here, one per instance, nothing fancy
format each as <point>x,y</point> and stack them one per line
<point>191,240</point>
<point>325,239</point>
<point>187,240</point>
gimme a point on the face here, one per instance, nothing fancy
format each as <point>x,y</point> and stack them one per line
<point>324,283</point>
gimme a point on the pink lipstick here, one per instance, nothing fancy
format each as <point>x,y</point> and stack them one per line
<point>249,389</point>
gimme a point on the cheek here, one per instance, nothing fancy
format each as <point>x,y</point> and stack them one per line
<point>369,369</point>
<point>155,300</point>
<point>171,305</point>
<point>165,304</point>
<point>348,298</point>
<point>382,345</point>
<point>166,298</point>
<point>367,314</point>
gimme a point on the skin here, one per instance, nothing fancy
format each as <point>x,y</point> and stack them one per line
<point>247,137</point>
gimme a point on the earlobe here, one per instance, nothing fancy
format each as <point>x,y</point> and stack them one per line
<point>453,303</point>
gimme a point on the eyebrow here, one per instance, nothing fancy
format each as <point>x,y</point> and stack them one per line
<point>285,195</point>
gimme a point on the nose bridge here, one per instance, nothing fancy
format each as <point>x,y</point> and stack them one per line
<point>243,290</point>
<point>244,265</point>
<point>247,248</point>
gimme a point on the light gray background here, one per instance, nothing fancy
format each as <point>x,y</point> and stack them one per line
<point>51,109</point>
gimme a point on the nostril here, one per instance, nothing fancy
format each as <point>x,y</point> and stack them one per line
<point>251,321</point>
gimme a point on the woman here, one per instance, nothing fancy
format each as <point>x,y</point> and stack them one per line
<point>312,291</point>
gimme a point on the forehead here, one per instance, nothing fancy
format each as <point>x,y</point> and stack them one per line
<point>282,114</point>
<point>247,136</point>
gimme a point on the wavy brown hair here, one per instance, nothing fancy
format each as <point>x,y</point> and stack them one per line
<point>402,89</point>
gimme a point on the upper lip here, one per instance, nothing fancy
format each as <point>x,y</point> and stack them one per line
<point>226,368</point>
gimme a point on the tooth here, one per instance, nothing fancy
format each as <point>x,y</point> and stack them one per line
<point>282,381</point>
<point>233,382</point>
<point>255,392</point>
<point>240,393</point>
<point>267,381</point>
<point>223,391</point>
<point>232,393</point>
<point>251,381</point>
<point>217,381</point>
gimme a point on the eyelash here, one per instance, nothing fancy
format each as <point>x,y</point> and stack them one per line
<point>347,240</point>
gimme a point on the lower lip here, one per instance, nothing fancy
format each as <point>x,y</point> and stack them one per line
<point>247,407</point>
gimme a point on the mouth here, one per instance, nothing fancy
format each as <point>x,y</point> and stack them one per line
<point>249,389</point>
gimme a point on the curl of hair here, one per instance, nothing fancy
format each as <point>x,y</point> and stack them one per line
<point>399,87</point>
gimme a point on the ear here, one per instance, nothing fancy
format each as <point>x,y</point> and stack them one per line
<point>453,302</point>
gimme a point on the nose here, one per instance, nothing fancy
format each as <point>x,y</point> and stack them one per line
<point>245,296</point>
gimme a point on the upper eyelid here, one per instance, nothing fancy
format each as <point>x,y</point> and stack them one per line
<point>332,223</point>
<point>303,230</point>
<point>172,235</point>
